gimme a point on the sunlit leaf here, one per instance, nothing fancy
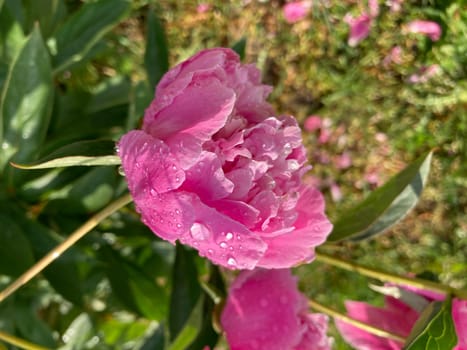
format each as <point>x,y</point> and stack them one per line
<point>190,329</point>
<point>386,205</point>
<point>156,57</point>
<point>434,330</point>
<point>78,333</point>
<point>84,28</point>
<point>83,153</point>
<point>26,102</point>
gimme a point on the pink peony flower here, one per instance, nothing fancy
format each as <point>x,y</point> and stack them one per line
<point>359,28</point>
<point>265,310</point>
<point>312,123</point>
<point>428,28</point>
<point>397,317</point>
<point>213,168</point>
<point>296,11</point>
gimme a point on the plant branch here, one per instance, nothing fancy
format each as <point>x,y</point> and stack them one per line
<point>363,326</point>
<point>23,344</point>
<point>388,277</point>
<point>62,247</point>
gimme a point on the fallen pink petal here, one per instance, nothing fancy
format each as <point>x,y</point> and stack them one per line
<point>265,310</point>
<point>428,28</point>
<point>359,28</point>
<point>296,11</point>
<point>214,168</point>
<point>313,123</point>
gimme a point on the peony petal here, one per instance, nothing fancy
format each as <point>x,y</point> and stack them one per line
<point>311,229</point>
<point>148,164</point>
<point>459,315</point>
<point>207,179</point>
<point>261,311</point>
<point>201,110</point>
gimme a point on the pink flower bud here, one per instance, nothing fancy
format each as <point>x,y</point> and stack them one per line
<point>359,28</point>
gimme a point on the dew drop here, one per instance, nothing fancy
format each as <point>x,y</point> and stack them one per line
<point>210,251</point>
<point>223,245</point>
<point>229,236</point>
<point>231,262</point>
<point>179,225</point>
<point>200,231</point>
<point>177,211</point>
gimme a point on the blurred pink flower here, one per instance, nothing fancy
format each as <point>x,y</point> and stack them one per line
<point>381,137</point>
<point>324,135</point>
<point>394,5</point>
<point>312,123</point>
<point>425,74</point>
<point>336,193</point>
<point>373,8</point>
<point>203,7</point>
<point>394,56</point>
<point>265,310</point>
<point>359,28</point>
<point>372,177</point>
<point>343,161</point>
<point>213,168</point>
<point>428,28</point>
<point>398,316</point>
<point>296,11</point>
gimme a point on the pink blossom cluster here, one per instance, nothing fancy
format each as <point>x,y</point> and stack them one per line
<point>216,169</point>
<point>397,316</point>
<point>265,310</point>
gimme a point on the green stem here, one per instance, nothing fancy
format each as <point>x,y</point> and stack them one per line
<point>388,277</point>
<point>23,344</point>
<point>361,325</point>
<point>62,247</point>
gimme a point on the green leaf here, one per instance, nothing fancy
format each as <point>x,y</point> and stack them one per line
<point>385,206</point>
<point>140,98</point>
<point>156,57</point>
<point>48,13</point>
<point>133,288</point>
<point>191,328</point>
<point>26,102</point>
<point>11,41</point>
<point>78,333</point>
<point>156,341</point>
<point>89,193</point>
<point>434,330</point>
<point>84,28</point>
<point>240,47</point>
<point>15,251</point>
<point>30,326</point>
<point>82,153</point>
<point>63,273</point>
<point>186,290</point>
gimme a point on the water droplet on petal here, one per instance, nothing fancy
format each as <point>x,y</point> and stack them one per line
<point>210,251</point>
<point>223,245</point>
<point>200,231</point>
<point>229,236</point>
<point>231,262</point>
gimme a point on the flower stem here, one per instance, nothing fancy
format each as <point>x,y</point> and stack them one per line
<point>388,277</point>
<point>364,326</point>
<point>23,344</point>
<point>62,247</point>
